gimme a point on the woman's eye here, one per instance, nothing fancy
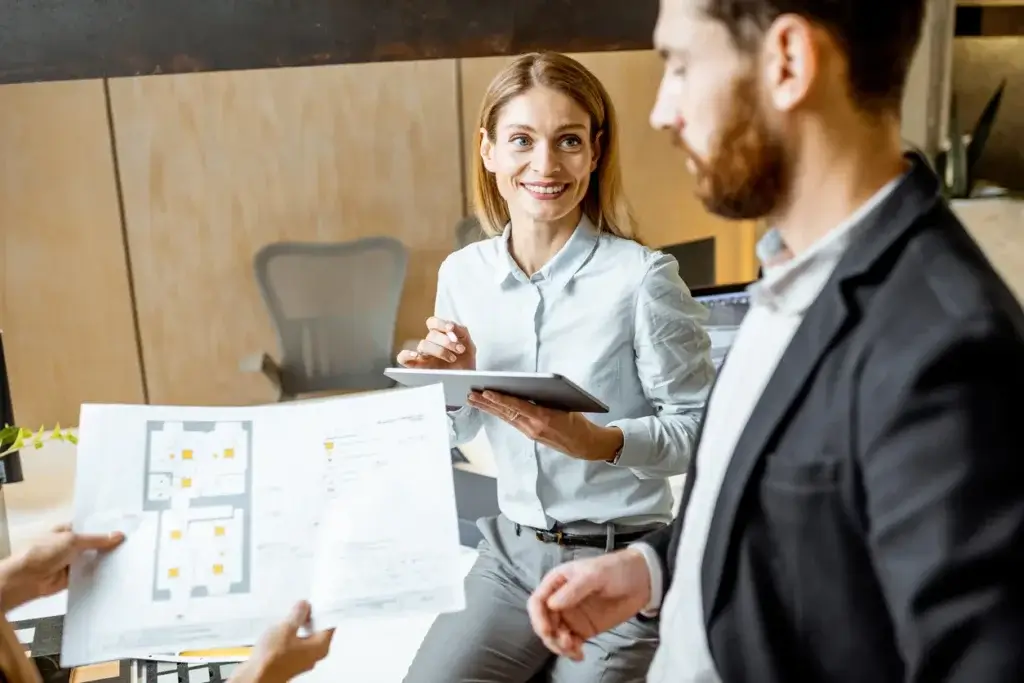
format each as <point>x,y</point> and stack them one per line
<point>520,141</point>
<point>571,142</point>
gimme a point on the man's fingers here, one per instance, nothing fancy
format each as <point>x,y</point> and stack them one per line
<point>99,542</point>
<point>537,606</point>
<point>575,590</point>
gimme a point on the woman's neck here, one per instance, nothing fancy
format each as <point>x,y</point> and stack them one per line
<point>533,243</point>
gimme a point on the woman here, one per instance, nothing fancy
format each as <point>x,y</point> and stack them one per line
<point>281,655</point>
<point>560,287</point>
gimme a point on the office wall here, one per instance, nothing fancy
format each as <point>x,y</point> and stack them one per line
<point>64,304</point>
<point>214,166</point>
<point>208,168</point>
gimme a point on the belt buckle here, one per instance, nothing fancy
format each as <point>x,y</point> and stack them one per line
<point>550,537</point>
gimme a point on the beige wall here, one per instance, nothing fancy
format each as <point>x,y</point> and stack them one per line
<point>65,307</point>
<point>213,166</point>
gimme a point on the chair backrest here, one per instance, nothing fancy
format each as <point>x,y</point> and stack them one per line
<point>467,231</point>
<point>334,307</point>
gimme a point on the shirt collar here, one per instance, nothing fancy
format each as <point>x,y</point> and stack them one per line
<point>561,268</point>
<point>791,284</point>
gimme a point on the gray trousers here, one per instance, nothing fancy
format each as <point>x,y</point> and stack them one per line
<point>491,641</point>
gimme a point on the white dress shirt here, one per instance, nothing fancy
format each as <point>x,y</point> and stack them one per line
<point>615,318</point>
<point>777,307</point>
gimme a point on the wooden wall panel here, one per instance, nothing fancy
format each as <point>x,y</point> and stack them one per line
<point>658,185</point>
<point>66,310</point>
<point>216,165</point>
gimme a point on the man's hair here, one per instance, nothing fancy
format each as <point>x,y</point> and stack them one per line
<point>879,37</point>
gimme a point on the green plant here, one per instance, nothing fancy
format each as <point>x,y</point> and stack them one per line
<point>15,438</point>
<point>956,165</point>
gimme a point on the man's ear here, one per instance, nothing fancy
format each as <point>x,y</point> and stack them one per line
<point>791,61</point>
<point>597,150</point>
<point>486,150</point>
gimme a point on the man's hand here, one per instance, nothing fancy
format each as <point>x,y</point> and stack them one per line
<point>580,599</point>
<point>43,569</point>
<point>282,654</point>
<point>446,346</point>
<point>570,433</point>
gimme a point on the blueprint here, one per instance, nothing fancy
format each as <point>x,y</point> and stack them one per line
<point>232,514</point>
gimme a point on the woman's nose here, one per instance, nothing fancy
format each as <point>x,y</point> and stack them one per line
<point>545,159</point>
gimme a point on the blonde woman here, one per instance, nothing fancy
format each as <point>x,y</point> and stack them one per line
<point>562,286</point>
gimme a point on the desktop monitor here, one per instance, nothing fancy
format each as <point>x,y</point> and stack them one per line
<point>727,305</point>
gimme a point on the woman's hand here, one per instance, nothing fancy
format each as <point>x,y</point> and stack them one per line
<point>282,654</point>
<point>570,433</point>
<point>446,346</point>
<point>43,569</point>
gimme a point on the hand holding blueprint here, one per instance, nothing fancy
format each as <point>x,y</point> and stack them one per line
<point>233,514</point>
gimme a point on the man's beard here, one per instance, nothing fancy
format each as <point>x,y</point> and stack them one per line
<point>744,177</point>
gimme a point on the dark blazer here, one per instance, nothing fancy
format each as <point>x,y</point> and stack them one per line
<point>871,524</point>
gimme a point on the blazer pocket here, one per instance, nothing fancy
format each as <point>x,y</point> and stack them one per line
<point>797,478</point>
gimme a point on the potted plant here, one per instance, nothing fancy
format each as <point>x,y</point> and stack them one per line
<point>993,215</point>
<point>14,438</point>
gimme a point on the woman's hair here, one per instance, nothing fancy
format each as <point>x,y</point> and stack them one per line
<point>605,203</point>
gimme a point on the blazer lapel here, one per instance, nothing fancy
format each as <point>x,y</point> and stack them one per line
<point>825,322</point>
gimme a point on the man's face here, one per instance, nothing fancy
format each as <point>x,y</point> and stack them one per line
<point>711,102</point>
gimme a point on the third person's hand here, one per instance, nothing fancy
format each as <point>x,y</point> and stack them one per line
<point>447,345</point>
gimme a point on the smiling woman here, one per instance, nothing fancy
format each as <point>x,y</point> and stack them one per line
<point>549,104</point>
<point>560,287</point>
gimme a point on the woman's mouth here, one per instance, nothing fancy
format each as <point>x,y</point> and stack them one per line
<point>546,191</point>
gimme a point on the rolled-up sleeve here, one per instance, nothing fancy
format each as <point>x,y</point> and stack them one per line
<point>673,362</point>
<point>464,423</point>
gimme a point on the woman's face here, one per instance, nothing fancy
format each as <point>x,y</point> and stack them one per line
<point>542,155</point>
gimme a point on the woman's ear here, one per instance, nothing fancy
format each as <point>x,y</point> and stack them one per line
<point>486,150</point>
<point>597,149</point>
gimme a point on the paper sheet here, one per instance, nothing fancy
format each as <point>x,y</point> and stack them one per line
<point>233,514</point>
<point>377,649</point>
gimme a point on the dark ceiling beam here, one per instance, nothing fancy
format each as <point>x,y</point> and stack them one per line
<point>47,40</point>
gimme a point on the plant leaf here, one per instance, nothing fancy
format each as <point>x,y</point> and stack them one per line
<point>983,128</point>
<point>956,164</point>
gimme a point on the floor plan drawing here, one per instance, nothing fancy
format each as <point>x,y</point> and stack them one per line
<point>199,482</point>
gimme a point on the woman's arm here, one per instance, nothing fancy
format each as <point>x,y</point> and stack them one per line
<point>463,424</point>
<point>673,362</point>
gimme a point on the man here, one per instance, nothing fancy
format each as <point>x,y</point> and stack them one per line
<point>855,511</point>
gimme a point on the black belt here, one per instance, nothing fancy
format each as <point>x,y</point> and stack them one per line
<point>584,540</point>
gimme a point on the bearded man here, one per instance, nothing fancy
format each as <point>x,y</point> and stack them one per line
<point>855,510</point>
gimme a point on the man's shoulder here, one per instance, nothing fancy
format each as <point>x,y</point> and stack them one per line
<point>938,289</point>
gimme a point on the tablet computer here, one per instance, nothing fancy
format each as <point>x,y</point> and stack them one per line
<point>547,389</point>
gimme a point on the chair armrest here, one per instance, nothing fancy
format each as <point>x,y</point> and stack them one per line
<point>263,364</point>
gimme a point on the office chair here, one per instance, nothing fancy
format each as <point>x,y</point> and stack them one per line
<point>334,307</point>
<point>467,231</point>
